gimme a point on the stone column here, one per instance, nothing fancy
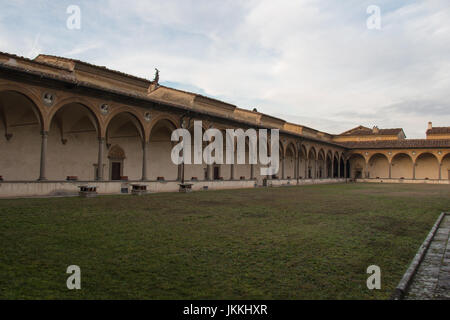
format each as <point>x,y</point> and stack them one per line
<point>345,169</point>
<point>296,175</point>
<point>414,170</point>
<point>232,172</point>
<point>42,172</point>
<point>332,169</point>
<point>339,169</point>
<point>101,148</point>
<point>306,168</point>
<point>366,170</point>
<point>209,172</point>
<point>144,160</point>
<point>390,170</point>
<point>283,162</point>
<point>252,172</point>
<point>440,171</point>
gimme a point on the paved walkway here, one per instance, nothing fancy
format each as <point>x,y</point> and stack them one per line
<point>432,280</point>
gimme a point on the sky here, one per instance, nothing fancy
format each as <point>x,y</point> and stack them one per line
<point>318,63</point>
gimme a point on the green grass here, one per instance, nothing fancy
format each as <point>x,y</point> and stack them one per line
<point>307,242</point>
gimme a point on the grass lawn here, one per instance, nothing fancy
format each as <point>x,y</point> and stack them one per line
<point>306,242</point>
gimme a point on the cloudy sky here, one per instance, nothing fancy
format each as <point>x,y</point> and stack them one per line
<point>313,62</point>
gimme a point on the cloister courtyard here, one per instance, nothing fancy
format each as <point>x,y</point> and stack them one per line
<point>298,242</point>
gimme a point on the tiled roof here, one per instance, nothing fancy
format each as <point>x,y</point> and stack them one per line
<point>42,57</point>
<point>439,130</point>
<point>69,78</point>
<point>363,131</point>
<point>397,144</point>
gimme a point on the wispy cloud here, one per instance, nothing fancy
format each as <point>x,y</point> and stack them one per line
<point>312,60</point>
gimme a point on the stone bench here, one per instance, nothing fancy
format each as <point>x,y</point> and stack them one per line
<point>185,187</point>
<point>139,189</point>
<point>87,191</point>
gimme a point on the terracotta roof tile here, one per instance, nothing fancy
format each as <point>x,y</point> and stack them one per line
<point>439,130</point>
<point>398,144</point>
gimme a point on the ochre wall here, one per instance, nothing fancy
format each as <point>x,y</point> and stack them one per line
<point>379,167</point>
<point>427,166</point>
<point>402,166</point>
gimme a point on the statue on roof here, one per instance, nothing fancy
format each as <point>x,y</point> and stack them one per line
<point>156,80</point>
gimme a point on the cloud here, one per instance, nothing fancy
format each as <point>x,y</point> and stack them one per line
<point>315,61</point>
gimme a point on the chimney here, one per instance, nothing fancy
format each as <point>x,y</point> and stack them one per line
<point>375,130</point>
<point>430,125</point>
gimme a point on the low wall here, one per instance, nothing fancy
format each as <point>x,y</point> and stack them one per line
<point>287,182</point>
<point>427,181</point>
<point>9,189</point>
<point>69,188</point>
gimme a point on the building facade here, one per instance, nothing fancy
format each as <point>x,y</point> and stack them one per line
<point>68,123</point>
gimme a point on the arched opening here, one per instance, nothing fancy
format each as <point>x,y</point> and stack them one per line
<point>196,172</point>
<point>160,148</point>
<point>243,170</point>
<point>335,167</point>
<point>379,166</point>
<point>303,163</point>
<point>329,165</point>
<point>281,170</point>
<point>72,151</point>
<point>402,166</point>
<point>347,171</point>
<point>342,168</point>
<point>20,137</point>
<point>312,165</point>
<point>321,165</point>
<point>290,162</point>
<point>445,168</point>
<point>124,131</point>
<point>427,166</point>
<point>357,165</point>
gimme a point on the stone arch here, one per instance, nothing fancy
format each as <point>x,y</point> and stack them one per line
<point>379,166</point>
<point>32,98</point>
<point>289,161</point>
<point>402,166</point>
<point>174,121</point>
<point>135,117</point>
<point>72,149</point>
<point>445,167</point>
<point>93,115</point>
<point>321,163</point>
<point>329,164</point>
<point>357,166</point>
<point>427,166</point>
<point>21,125</point>
<point>196,171</point>
<point>303,162</point>
<point>335,165</point>
<point>125,130</point>
<point>160,147</point>
<point>312,163</point>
